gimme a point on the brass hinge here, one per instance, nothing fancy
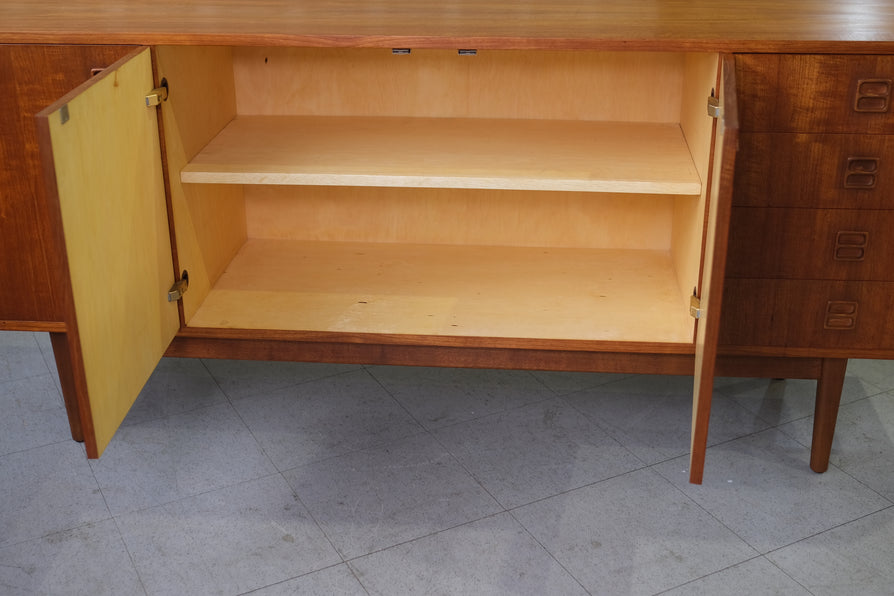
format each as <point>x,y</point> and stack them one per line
<point>714,107</point>
<point>695,307</point>
<point>157,95</point>
<point>179,288</point>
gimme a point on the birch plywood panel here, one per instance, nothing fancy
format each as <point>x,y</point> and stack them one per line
<point>606,295</point>
<point>701,76</point>
<point>439,216</point>
<point>209,221</point>
<point>449,153</point>
<point>623,86</point>
<point>111,193</point>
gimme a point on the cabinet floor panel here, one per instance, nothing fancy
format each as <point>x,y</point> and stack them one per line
<point>482,291</point>
<point>628,157</point>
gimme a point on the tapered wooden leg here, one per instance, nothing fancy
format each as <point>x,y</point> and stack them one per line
<point>62,355</point>
<point>828,397</point>
<point>701,414</point>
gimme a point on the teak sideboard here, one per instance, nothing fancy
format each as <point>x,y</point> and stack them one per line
<point>581,186</point>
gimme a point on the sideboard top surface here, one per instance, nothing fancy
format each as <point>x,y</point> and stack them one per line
<point>829,26</point>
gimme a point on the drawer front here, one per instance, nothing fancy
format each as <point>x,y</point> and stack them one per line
<point>815,170</point>
<point>835,244</point>
<point>808,314</point>
<point>805,93</point>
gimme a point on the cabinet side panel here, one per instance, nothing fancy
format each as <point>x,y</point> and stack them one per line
<point>106,156</point>
<point>30,266</point>
<point>209,221</point>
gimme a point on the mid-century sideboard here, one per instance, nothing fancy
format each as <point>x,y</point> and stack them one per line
<point>691,188</point>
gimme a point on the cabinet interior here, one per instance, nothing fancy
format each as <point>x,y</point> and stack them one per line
<point>518,194</point>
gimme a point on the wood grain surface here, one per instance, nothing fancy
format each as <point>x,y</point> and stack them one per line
<point>105,148</point>
<point>759,25</point>
<point>631,157</point>
<point>31,291</point>
<point>517,292</point>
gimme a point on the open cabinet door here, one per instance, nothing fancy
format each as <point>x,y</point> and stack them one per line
<point>716,238</point>
<point>102,159</point>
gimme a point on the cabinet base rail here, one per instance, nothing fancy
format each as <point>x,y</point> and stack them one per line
<point>829,372</point>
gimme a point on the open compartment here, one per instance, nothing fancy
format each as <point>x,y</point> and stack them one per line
<point>508,194</point>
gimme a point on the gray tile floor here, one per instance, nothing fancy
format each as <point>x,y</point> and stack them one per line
<point>281,478</point>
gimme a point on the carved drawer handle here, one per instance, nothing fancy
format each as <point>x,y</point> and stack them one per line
<point>851,246</point>
<point>873,95</point>
<point>861,172</point>
<point>841,315</point>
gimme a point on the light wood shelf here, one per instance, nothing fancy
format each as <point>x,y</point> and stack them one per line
<point>484,291</point>
<point>621,157</point>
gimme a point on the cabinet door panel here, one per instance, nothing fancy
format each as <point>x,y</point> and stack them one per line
<point>716,240</point>
<point>103,162</point>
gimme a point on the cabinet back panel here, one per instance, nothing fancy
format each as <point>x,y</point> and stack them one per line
<point>437,216</point>
<point>625,86</point>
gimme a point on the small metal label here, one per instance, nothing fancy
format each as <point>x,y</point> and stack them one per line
<point>63,114</point>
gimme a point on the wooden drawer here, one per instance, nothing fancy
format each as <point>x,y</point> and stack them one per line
<point>815,170</point>
<point>808,314</point>
<point>837,244</point>
<point>813,93</point>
